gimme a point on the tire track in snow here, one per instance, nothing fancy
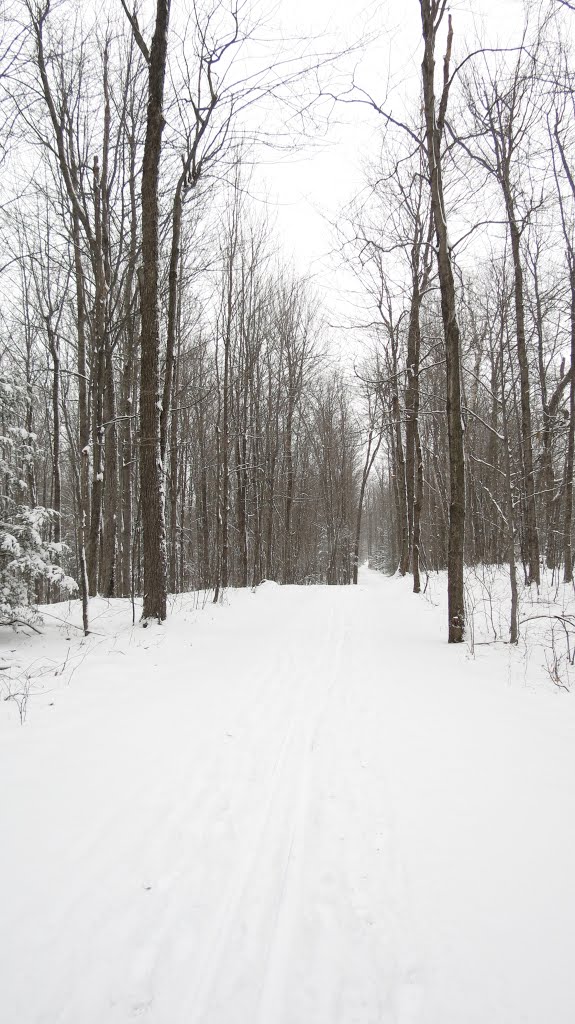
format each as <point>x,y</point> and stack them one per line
<point>146,848</point>
<point>277,957</point>
<point>177,931</point>
<point>207,969</point>
<point>240,943</point>
<point>344,949</point>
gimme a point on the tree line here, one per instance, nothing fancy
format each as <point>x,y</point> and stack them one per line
<point>173,403</point>
<point>173,415</point>
<point>463,240</point>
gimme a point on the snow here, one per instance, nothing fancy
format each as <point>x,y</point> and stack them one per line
<point>301,807</point>
<point>9,545</point>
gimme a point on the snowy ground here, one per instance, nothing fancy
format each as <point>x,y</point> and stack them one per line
<point>300,808</point>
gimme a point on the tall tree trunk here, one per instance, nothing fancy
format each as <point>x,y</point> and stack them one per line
<point>54,346</point>
<point>412,403</point>
<point>128,389</point>
<point>98,376</point>
<point>241,490</point>
<point>417,508</point>
<point>174,274</point>
<point>569,458</point>
<point>400,483</point>
<point>510,511</point>
<point>110,521</point>
<point>175,482</point>
<point>225,488</point>
<point>110,490</point>
<point>83,417</point>
<point>287,552</point>
<point>151,469</point>
<point>431,15</point>
<point>532,538</point>
<point>373,447</point>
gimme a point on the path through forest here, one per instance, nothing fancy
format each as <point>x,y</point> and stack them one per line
<point>300,808</point>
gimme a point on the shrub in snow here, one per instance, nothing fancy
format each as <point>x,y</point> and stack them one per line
<point>26,558</point>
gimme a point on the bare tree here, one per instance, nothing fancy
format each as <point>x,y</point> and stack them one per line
<point>151,468</point>
<point>432,13</point>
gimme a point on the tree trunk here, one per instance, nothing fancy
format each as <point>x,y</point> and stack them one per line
<point>568,514</point>
<point>514,612</point>
<point>110,520</point>
<point>417,507</point>
<point>57,491</point>
<point>151,469</point>
<point>532,538</point>
<point>431,14</point>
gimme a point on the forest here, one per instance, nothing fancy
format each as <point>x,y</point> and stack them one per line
<point>178,410</point>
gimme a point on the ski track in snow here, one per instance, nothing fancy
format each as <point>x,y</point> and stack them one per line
<point>301,808</point>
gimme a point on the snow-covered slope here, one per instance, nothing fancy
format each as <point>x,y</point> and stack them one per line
<point>300,808</point>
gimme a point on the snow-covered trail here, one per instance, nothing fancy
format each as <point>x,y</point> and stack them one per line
<point>302,808</point>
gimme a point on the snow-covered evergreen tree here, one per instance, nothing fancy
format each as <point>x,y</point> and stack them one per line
<point>27,555</point>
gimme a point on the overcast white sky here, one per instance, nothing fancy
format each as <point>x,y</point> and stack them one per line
<point>313,184</point>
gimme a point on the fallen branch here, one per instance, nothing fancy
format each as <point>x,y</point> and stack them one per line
<point>20,622</point>
<point>560,618</point>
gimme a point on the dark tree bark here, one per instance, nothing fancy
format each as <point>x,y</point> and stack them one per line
<point>432,12</point>
<point>509,503</point>
<point>374,440</point>
<point>417,508</point>
<point>570,453</point>
<point>128,382</point>
<point>532,537</point>
<point>173,305</point>
<point>151,468</point>
<point>420,273</point>
<point>569,456</point>
<point>174,478</point>
<point>54,345</point>
<point>98,385</point>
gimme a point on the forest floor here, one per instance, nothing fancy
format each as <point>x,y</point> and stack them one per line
<point>300,807</point>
